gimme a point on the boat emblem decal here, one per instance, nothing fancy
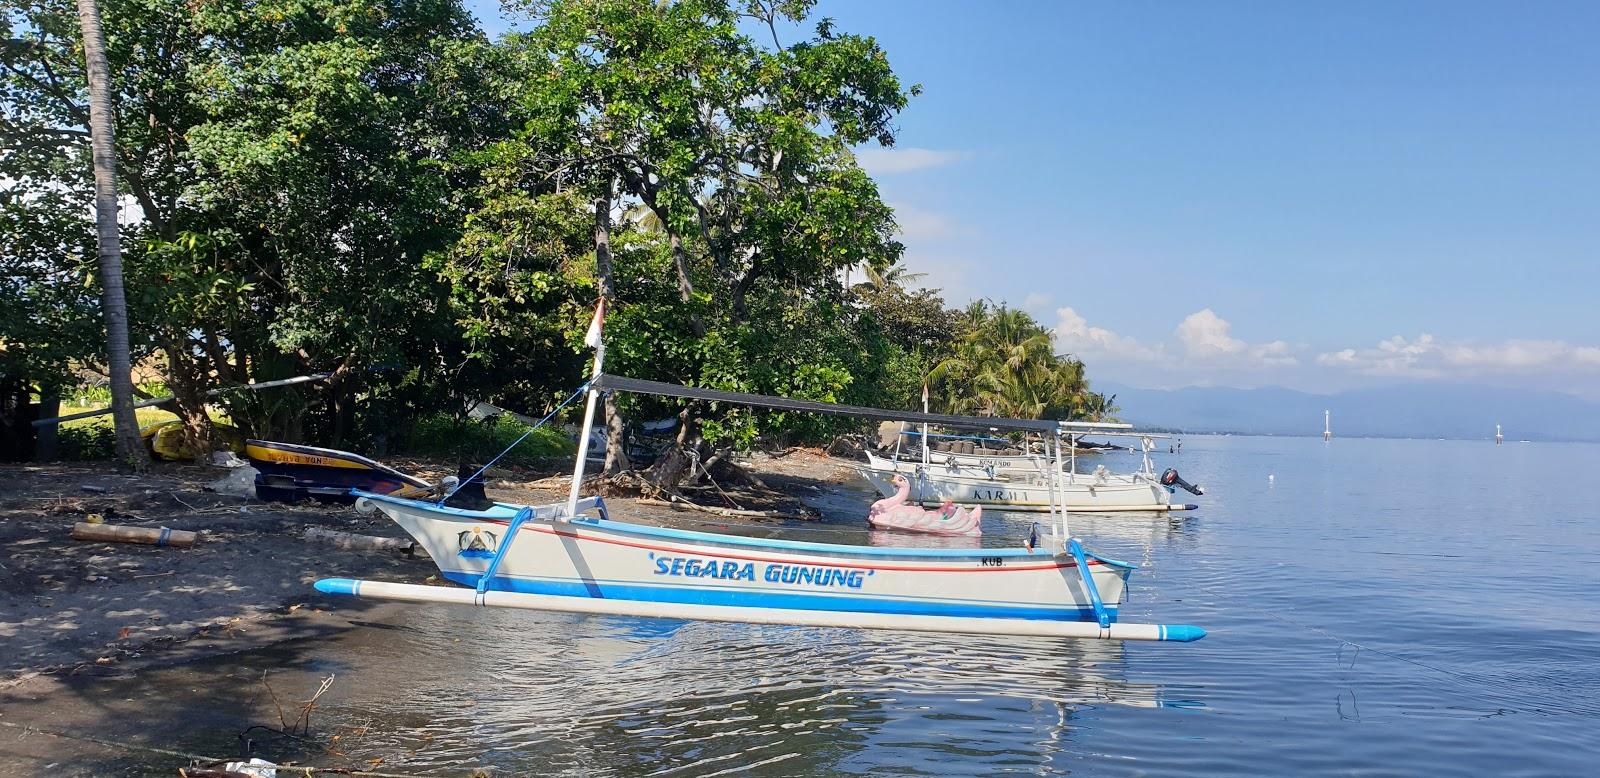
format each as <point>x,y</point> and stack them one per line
<point>476,543</point>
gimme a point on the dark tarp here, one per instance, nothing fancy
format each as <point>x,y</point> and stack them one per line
<point>639,386</point>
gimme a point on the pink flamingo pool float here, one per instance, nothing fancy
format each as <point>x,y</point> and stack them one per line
<point>895,513</point>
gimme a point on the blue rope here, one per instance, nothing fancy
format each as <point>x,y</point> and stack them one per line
<point>485,468</point>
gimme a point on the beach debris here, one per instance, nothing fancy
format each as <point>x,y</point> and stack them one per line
<point>227,459</point>
<point>94,518</point>
<point>352,541</point>
<point>255,768</point>
<point>115,533</point>
<point>239,482</point>
<point>93,489</point>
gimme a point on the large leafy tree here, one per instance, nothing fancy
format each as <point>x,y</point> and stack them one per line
<point>287,161</point>
<point>735,156</point>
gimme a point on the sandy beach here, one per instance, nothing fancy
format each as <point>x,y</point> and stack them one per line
<point>75,607</point>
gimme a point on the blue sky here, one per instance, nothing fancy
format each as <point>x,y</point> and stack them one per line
<point>1314,196</point>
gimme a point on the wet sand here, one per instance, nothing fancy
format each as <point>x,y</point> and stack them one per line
<point>86,625</point>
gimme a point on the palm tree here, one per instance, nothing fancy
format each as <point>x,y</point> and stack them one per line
<point>129,448</point>
<point>1006,365</point>
<point>885,278</point>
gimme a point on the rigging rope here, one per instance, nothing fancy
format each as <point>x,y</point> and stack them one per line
<point>485,468</point>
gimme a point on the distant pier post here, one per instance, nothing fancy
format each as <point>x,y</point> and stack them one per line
<point>1327,426</point>
<point>1498,438</point>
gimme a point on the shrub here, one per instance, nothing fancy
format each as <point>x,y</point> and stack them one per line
<point>83,442</point>
<point>443,436</point>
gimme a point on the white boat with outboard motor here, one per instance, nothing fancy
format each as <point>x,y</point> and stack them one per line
<point>559,557</point>
<point>1018,489</point>
<point>981,459</point>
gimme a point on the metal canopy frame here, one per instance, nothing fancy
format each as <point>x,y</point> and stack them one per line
<point>608,382</point>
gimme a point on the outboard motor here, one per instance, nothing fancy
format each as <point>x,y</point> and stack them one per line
<point>1171,478</point>
<point>470,495</point>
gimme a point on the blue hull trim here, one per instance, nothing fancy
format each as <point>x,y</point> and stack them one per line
<point>777,600</point>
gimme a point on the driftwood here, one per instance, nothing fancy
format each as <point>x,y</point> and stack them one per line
<point>679,502</point>
<point>147,535</point>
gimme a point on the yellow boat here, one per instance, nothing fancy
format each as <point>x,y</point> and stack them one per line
<point>291,472</point>
<point>165,440</point>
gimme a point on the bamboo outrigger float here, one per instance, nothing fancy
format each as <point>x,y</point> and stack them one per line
<point>557,557</point>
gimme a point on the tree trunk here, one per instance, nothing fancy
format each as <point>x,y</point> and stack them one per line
<point>188,383</point>
<point>616,444</point>
<point>674,465</point>
<point>130,450</point>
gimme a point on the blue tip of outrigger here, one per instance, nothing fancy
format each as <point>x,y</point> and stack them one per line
<point>338,586</point>
<point>1181,633</point>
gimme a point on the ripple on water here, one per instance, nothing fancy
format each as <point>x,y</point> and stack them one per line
<point>1369,611</point>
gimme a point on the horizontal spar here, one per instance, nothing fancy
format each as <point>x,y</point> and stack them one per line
<point>805,618</point>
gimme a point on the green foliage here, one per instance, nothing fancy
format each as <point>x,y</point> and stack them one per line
<point>49,305</point>
<point>86,442</point>
<point>374,189</point>
<point>99,395</point>
<point>1005,365</point>
<point>476,442</point>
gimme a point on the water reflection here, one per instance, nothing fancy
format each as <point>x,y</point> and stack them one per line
<point>884,538</point>
<point>564,694</point>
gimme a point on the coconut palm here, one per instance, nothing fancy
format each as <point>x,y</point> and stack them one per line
<point>890,277</point>
<point>1006,365</point>
<point>129,447</point>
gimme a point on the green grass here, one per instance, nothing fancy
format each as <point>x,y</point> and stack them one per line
<point>95,438</point>
<point>146,416</point>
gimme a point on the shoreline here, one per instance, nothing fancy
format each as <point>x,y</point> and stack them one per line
<point>86,608</point>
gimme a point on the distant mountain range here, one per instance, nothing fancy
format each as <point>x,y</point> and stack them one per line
<point>1421,410</point>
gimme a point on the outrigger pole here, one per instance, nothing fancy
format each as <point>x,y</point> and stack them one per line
<point>384,590</point>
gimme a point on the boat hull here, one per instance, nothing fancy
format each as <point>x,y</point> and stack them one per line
<point>1085,493</point>
<point>977,464</point>
<point>292,472</point>
<point>603,559</point>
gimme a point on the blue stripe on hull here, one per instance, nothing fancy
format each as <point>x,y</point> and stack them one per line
<point>763,599</point>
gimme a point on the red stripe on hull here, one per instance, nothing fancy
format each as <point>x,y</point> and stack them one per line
<point>900,568</point>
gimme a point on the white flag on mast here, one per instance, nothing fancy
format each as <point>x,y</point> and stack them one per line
<point>592,337</point>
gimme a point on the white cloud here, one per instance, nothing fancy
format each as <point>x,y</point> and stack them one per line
<point>1207,337</point>
<point>951,273</point>
<point>1076,337</point>
<point>917,223</point>
<point>1428,357</point>
<point>1036,301</point>
<point>880,161</point>
<point>1205,334</point>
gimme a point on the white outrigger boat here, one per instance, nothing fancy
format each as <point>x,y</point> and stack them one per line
<point>986,462</point>
<point>1036,490</point>
<point>557,557</point>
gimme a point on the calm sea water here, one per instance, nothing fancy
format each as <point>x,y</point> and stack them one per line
<point>1376,606</point>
